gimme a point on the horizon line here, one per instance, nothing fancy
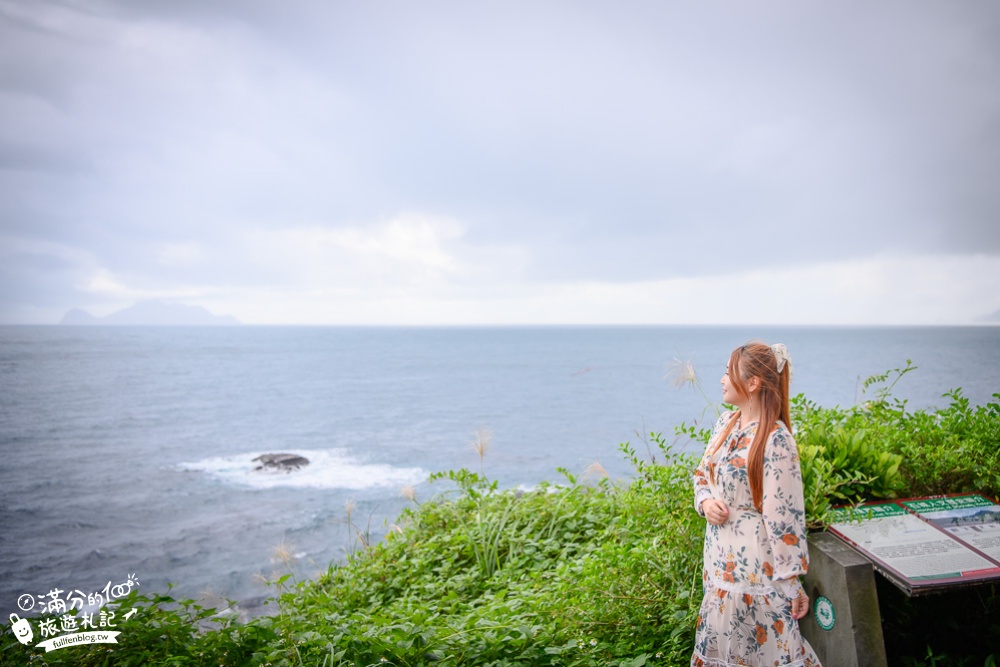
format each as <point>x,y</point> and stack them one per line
<point>500,325</point>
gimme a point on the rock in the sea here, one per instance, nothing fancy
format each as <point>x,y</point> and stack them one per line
<point>284,462</point>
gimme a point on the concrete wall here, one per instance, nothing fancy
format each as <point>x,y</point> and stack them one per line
<point>845,629</point>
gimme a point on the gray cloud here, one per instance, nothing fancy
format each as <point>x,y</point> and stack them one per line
<point>623,142</point>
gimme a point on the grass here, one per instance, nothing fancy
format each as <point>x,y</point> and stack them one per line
<point>584,572</point>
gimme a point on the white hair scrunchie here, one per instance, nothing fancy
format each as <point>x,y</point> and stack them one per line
<point>780,353</point>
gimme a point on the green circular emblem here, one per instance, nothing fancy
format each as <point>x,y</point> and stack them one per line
<point>826,617</point>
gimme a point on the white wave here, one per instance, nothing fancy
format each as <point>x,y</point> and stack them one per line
<point>327,469</point>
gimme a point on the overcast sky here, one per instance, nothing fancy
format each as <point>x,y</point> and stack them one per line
<point>327,162</point>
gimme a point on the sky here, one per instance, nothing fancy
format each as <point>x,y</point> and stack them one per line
<point>502,162</point>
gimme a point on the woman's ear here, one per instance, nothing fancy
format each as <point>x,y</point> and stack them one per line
<point>753,384</point>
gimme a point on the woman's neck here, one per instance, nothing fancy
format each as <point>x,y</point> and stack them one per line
<point>749,415</point>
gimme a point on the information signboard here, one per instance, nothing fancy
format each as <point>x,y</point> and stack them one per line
<point>926,544</point>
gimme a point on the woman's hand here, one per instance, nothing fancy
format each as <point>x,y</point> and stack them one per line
<point>800,606</point>
<point>715,511</point>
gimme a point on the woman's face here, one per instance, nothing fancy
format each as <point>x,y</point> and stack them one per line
<point>729,393</point>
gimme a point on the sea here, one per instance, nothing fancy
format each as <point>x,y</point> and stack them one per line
<point>127,454</point>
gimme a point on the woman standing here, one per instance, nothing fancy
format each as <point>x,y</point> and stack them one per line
<point>749,488</point>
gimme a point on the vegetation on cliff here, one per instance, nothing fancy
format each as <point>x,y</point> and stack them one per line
<point>589,571</point>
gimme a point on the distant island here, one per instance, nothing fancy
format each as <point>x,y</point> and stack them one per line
<point>151,313</point>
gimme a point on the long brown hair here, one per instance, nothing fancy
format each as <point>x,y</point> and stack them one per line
<point>757,360</point>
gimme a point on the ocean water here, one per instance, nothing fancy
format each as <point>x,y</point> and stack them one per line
<point>128,451</point>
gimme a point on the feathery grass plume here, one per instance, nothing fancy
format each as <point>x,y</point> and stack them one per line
<point>355,534</point>
<point>210,599</point>
<point>482,442</point>
<point>350,506</point>
<point>595,469</point>
<point>409,493</point>
<point>681,372</point>
<point>283,553</point>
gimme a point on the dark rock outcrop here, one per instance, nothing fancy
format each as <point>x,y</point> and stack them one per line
<point>281,462</point>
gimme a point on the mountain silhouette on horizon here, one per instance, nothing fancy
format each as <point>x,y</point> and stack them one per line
<point>151,313</point>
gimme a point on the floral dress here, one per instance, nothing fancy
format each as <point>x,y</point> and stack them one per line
<point>753,561</point>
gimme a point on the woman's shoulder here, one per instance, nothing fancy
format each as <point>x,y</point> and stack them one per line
<point>780,428</point>
<point>781,437</point>
<point>723,421</point>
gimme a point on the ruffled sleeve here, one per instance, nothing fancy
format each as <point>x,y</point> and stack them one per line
<point>702,488</point>
<point>784,512</point>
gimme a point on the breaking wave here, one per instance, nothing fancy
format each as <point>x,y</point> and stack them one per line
<point>327,469</point>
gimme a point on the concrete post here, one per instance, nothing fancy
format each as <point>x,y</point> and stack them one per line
<point>843,626</point>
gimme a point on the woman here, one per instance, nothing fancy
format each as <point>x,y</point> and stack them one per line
<point>749,488</point>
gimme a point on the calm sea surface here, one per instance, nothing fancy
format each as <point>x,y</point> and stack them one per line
<point>129,450</point>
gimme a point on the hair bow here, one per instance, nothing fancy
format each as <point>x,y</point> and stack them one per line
<point>780,353</point>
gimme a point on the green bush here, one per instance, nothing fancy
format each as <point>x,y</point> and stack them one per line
<point>586,572</point>
<point>583,573</point>
<point>165,632</point>
<point>880,449</point>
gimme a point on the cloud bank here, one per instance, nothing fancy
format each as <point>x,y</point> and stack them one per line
<point>448,163</point>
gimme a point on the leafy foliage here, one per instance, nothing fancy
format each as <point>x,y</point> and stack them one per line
<point>880,449</point>
<point>581,573</point>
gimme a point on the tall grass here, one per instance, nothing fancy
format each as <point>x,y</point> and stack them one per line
<point>584,572</point>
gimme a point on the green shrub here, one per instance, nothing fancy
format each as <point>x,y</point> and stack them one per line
<point>586,572</point>
<point>164,632</point>
<point>842,462</point>
<point>880,449</point>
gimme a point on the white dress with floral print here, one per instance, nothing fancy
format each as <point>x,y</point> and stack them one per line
<point>753,561</point>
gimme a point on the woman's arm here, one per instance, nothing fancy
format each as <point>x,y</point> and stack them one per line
<point>702,491</point>
<point>702,487</point>
<point>784,515</point>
